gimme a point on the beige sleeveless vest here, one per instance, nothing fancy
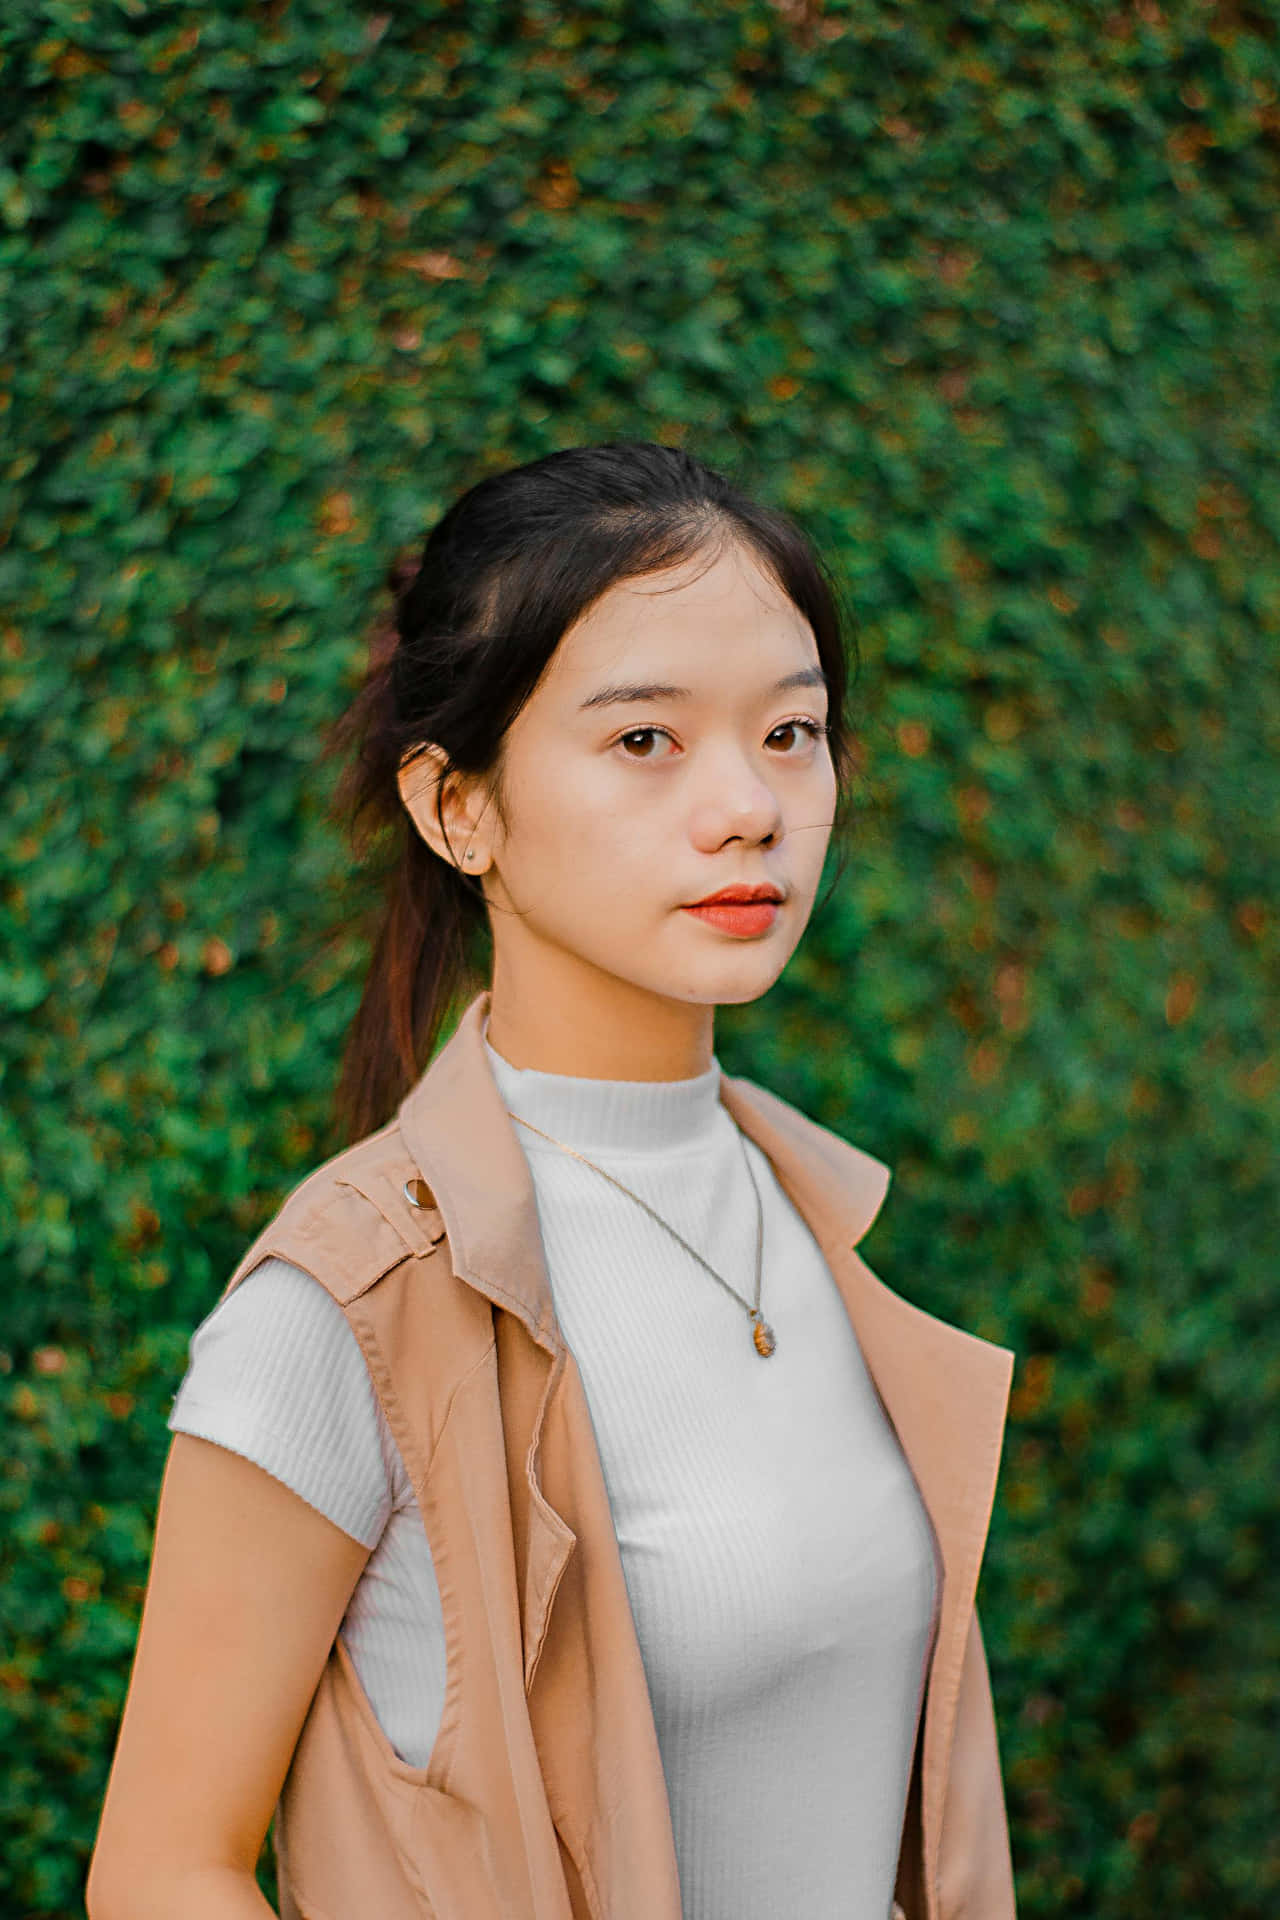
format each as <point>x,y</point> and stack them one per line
<point>544,1797</point>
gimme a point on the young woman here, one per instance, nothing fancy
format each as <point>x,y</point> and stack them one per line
<point>561,1521</point>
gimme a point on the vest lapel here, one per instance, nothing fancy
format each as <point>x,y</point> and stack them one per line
<point>944,1390</point>
<point>946,1394</point>
<point>456,1127</point>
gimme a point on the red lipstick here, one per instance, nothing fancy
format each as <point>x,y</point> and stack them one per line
<point>746,911</point>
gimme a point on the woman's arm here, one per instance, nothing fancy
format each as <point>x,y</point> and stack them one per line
<point>247,1590</point>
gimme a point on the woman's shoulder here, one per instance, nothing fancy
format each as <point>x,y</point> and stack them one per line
<point>279,1301</point>
<point>275,1372</point>
<point>351,1219</point>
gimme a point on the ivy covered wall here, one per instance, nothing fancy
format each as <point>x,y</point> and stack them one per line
<point>987,294</point>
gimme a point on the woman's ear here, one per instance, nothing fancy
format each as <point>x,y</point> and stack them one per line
<point>462,844</point>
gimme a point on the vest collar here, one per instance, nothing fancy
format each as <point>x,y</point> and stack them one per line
<point>455,1125</point>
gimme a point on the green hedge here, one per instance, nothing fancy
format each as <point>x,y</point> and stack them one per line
<point>988,294</point>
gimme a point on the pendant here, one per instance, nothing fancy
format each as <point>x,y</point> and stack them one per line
<point>762,1334</point>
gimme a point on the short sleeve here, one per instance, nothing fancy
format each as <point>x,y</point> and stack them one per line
<point>276,1373</point>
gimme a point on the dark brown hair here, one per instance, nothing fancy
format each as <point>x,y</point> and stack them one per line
<point>474,622</point>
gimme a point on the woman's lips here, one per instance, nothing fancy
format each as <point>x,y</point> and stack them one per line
<point>745,917</point>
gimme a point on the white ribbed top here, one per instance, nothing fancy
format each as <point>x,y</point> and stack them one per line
<point>779,1562</point>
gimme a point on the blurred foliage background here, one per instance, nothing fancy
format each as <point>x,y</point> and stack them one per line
<point>986,292</point>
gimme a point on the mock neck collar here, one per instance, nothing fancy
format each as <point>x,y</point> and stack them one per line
<point>608,1116</point>
<point>455,1127</point>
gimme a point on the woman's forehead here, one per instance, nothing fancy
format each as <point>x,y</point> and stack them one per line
<point>730,618</point>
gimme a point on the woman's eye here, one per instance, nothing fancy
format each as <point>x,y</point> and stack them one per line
<point>640,733</point>
<point>809,727</point>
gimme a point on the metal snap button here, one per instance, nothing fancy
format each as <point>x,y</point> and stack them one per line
<point>418,1193</point>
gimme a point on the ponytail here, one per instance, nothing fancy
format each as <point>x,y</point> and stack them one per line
<point>427,930</point>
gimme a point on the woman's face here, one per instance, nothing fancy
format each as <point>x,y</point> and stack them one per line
<point>673,748</point>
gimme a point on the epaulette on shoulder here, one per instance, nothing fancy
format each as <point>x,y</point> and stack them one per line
<point>350,1220</point>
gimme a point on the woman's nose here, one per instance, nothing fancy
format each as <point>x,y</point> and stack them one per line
<point>742,806</point>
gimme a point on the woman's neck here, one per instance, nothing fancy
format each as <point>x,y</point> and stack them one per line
<point>609,1115</point>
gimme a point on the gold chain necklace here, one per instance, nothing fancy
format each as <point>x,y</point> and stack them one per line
<point>761,1331</point>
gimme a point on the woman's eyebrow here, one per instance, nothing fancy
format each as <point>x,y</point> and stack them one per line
<point>658,690</point>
